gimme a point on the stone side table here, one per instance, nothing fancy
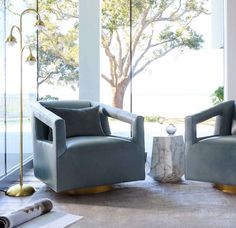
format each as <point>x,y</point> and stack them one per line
<point>167,163</point>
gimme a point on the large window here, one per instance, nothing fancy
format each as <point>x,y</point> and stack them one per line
<point>166,48</point>
<point>182,68</point>
<point>172,56</point>
<point>10,85</point>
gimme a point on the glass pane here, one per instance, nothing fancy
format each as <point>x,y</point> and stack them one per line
<point>2,89</point>
<point>58,75</point>
<point>206,128</point>
<point>115,57</point>
<point>180,44</point>
<point>173,62</point>
<point>13,65</point>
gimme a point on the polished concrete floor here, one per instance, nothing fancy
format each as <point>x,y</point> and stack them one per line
<point>139,204</point>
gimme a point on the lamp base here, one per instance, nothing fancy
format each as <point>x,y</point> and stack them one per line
<point>226,188</point>
<point>88,191</point>
<point>20,190</point>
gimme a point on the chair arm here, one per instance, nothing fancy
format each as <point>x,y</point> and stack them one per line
<point>223,112</point>
<point>53,121</point>
<point>136,122</point>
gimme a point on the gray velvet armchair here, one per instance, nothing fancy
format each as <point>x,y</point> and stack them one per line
<point>67,163</point>
<point>212,158</point>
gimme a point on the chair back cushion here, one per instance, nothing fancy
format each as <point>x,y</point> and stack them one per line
<point>80,122</point>
<point>72,104</point>
<point>76,104</point>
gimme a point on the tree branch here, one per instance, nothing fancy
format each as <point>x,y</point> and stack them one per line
<point>112,60</point>
<point>144,52</point>
<point>144,25</point>
<point>160,13</point>
<point>61,15</point>
<point>153,59</point>
<point>149,46</point>
<point>177,10</point>
<point>107,79</point>
<point>120,63</point>
<point>47,77</point>
<point>172,17</point>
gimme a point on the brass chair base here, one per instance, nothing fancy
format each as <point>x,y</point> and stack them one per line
<point>89,191</point>
<point>226,188</point>
<point>20,190</point>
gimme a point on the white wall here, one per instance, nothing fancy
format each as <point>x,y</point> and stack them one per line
<point>89,53</point>
<point>230,49</point>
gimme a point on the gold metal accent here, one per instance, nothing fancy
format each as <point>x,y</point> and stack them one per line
<point>39,24</point>
<point>31,59</point>
<point>21,190</point>
<point>89,191</point>
<point>226,188</point>
<point>11,40</point>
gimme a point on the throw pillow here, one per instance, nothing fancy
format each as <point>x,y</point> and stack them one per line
<point>80,122</point>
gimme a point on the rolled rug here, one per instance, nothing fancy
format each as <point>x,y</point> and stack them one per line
<point>25,214</point>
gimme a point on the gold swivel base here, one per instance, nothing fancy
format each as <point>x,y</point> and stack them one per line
<point>20,190</point>
<point>89,191</point>
<point>226,188</point>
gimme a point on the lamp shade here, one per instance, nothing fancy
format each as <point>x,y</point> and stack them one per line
<point>11,40</point>
<point>31,60</point>
<point>39,24</point>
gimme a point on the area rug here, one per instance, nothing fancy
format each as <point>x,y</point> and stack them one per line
<point>149,204</point>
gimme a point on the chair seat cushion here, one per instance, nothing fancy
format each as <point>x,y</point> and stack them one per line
<point>213,160</point>
<point>100,160</point>
<point>222,141</point>
<point>97,142</point>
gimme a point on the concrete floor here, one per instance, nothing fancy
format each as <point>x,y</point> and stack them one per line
<point>149,204</point>
<point>140,204</point>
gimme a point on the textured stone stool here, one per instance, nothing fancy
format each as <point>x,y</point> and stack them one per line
<point>167,163</point>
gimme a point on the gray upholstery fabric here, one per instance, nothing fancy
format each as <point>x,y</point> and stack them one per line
<point>233,127</point>
<point>86,161</point>
<point>212,158</point>
<point>80,122</point>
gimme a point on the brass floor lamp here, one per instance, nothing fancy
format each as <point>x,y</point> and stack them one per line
<point>21,189</point>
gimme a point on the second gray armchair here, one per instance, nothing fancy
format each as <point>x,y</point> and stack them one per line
<point>69,154</point>
<point>212,158</point>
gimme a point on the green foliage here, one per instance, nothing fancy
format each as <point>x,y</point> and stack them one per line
<point>151,118</point>
<point>48,97</point>
<point>218,95</point>
<point>183,35</point>
<point>58,44</point>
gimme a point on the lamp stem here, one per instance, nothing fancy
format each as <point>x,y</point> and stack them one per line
<point>21,105</point>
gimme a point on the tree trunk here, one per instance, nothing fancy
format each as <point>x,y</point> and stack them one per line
<point>118,94</point>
